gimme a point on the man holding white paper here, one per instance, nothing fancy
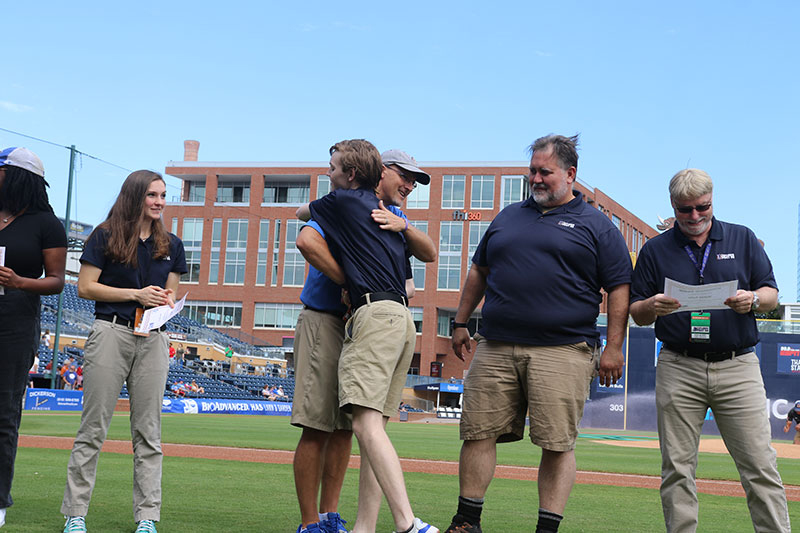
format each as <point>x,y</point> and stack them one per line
<point>707,360</point>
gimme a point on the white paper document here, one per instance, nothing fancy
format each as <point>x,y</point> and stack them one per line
<point>157,316</point>
<point>700,297</point>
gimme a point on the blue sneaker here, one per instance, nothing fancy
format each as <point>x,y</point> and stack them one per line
<point>333,524</point>
<point>316,527</point>
<point>75,524</point>
<point>146,526</point>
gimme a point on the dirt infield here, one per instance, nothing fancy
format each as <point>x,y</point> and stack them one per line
<point>721,488</point>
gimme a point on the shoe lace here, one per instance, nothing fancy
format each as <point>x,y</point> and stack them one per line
<point>336,523</point>
<point>146,526</point>
<point>75,524</point>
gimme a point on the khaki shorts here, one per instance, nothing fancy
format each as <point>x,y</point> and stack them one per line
<point>507,381</point>
<point>317,346</point>
<point>378,347</point>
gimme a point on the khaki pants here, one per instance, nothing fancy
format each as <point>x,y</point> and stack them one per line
<point>734,390</point>
<point>114,355</point>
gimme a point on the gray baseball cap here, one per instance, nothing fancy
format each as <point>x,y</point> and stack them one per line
<point>405,161</point>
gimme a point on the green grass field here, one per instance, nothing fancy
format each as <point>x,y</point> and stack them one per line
<point>218,496</point>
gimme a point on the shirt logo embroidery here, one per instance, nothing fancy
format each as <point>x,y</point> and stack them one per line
<point>566,224</point>
<point>166,259</point>
<point>720,257</point>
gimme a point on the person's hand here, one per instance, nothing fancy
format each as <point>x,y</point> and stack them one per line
<point>740,302</point>
<point>9,278</point>
<point>664,305</point>
<point>461,342</point>
<point>153,296</point>
<point>170,297</point>
<point>611,362</point>
<point>388,220</point>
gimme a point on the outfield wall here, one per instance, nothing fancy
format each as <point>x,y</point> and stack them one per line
<point>630,404</point>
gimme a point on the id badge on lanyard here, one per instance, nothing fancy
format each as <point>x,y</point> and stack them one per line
<point>700,322</point>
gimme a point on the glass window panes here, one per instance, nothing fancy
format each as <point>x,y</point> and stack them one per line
<point>286,193</point>
<point>216,233</point>
<point>419,198</point>
<point>213,267</point>
<point>237,233</point>
<point>225,314</point>
<point>234,266</point>
<point>452,192</point>
<point>417,266</point>
<point>416,314</point>
<point>193,267</point>
<point>175,225</point>
<point>513,189</point>
<point>293,262</point>
<point>476,231</point>
<point>233,192</point>
<point>450,237</point>
<point>197,191</point>
<point>192,236</point>
<point>275,315</point>
<point>482,193</point>
<point>449,272</point>
<point>323,185</point>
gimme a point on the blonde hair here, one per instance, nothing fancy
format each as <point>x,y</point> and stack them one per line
<point>690,183</point>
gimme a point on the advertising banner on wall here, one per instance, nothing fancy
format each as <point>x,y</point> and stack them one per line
<point>53,400</point>
<point>230,407</point>
<point>789,359</point>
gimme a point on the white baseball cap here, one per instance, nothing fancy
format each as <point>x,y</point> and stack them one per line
<point>22,158</point>
<point>405,161</point>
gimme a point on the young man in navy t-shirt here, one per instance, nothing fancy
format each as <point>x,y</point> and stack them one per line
<point>380,335</point>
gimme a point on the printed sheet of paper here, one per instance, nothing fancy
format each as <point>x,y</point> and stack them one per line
<point>157,316</point>
<point>700,297</point>
<point>2,263</point>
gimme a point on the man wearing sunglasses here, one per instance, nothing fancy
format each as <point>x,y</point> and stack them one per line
<point>707,360</point>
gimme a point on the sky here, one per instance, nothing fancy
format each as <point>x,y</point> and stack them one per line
<point>651,87</point>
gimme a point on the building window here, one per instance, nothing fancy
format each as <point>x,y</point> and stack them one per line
<point>617,222</point>
<point>450,242</point>
<point>263,252</point>
<point>236,251</point>
<point>175,225</point>
<point>476,231</point>
<point>452,192</point>
<point>233,192</point>
<point>196,192</point>
<point>286,189</point>
<point>192,235</point>
<point>276,316</point>
<point>444,323</point>
<point>221,314</point>
<point>416,314</point>
<point>323,186</point>
<point>482,196</point>
<point>513,189</point>
<point>417,266</point>
<point>213,268</point>
<point>216,241</point>
<point>276,248</point>
<point>419,198</point>
<point>293,263</point>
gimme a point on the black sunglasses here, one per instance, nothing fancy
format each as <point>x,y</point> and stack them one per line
<point>686,209</point>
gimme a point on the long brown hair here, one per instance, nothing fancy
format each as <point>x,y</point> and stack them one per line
<point>122,223</point>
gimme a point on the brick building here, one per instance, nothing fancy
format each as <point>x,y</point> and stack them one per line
<point>237,221</point>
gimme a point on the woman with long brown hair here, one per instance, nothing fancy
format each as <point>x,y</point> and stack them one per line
<point>33,240</point>
<point>129,262</point>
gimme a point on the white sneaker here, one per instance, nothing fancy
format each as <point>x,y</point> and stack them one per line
<point>2,517</point>
<point>75,524</point>
<point>422,527</point>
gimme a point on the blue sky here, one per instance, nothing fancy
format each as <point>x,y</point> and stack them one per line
<point>651,87</point>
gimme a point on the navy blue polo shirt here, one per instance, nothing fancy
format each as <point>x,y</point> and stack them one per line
<point>735,254</point>
<point>149,272</point>
<point>373,260</point>
<point>546,271</point>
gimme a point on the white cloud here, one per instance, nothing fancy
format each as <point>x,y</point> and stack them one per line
<point>14,108</point>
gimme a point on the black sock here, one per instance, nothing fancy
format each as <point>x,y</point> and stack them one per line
<point>548,522</point>
<point>469,510</point>
<point>409,530</point>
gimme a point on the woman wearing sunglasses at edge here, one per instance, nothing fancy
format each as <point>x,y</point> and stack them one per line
<point>129,262</point>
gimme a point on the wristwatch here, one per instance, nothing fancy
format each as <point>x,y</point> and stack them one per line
<point>756,301</point>
<point>457,325</point>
